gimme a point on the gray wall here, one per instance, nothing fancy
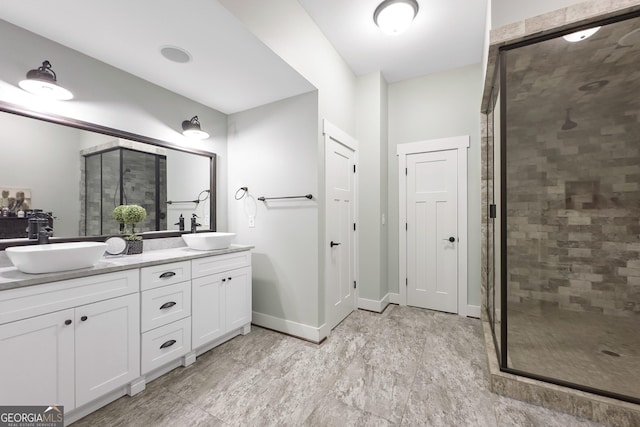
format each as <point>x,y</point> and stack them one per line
<point>24,165</point>
<point>286,28</point>
<point>273,152</point>
<point>429,107</point>
<point>108,96</point>
<point>372,185</point>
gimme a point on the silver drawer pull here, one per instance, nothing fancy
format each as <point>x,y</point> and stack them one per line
<point>167,275</point>
<point>168,344</point>
<point>167,305</point>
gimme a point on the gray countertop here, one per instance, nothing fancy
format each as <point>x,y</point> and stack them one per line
<point>11,277</point>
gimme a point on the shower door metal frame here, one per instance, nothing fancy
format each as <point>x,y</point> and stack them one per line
<point>502,67</point>
<point>491,206</point>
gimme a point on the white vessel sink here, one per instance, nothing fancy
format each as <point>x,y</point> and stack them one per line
<point>208,241</point>
<point>56,257</point>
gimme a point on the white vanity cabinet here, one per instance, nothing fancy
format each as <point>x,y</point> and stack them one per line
<point>85,342</point>
<point>107,346</point>
<point>221,287</point>
<point>81,343</point>
<point>165,314</point>
<point>37,360</point>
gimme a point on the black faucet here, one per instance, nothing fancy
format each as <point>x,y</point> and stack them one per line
<point>180,223</point>
<point>194,223</point>
<point>44,234</point>
<point>37,222</point>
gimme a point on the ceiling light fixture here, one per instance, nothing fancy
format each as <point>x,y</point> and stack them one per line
<point>42,81</point>
<point>395,16</point>
<point>191,128</point>
<point>578,36</point>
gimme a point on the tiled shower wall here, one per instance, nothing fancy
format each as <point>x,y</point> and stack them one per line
<point>139,184</point>
<point>573,195</point>
<point>573,213</point>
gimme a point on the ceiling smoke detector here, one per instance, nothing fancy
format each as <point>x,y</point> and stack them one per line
<point>175,54</point>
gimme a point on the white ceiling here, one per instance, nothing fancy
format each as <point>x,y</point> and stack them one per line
<point>446,34</point>
<point>231,69</point>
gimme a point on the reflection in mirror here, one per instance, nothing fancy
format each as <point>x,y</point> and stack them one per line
<point>80,176</point>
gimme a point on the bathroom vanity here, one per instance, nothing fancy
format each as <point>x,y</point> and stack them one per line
<point>84,338</point>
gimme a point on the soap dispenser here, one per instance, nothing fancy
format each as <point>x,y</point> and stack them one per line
<point>180,223</point>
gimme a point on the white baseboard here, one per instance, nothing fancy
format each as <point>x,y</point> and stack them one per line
<point>324,331</point>
<point>394,298</point>
<point>300,330</point>
<point>391,298</point>
<point>374,305</point>
<point>473,311</point>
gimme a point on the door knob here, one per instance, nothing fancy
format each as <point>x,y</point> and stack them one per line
<point>451,239</point>
<point>335,244</point>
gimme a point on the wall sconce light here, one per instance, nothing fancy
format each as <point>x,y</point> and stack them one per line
<point>42,81</point>
<point>191,128</point>
<point>395,16</point>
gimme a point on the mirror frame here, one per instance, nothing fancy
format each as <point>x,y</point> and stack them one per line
<point>117,133</point>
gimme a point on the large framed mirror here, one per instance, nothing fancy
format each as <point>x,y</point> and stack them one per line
<point>79,172</point>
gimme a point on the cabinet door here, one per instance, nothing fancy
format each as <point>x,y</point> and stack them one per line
<point>207,311</point>
<point>238,298</point>
<point>107,346</point>
<point>36,361</point>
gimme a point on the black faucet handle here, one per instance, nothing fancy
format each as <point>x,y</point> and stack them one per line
<point>43,235</point>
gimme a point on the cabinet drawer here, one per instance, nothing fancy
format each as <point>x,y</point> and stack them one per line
<point>219,263</point>
<point>20,303</point>
<point>165,274</point>
<point>165,305</point>
<point>165,344</point>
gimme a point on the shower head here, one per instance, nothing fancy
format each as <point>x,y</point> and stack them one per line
<point>568,123</point>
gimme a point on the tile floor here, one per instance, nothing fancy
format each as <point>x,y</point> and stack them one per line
<point>406,366</point>
<point>543,340</point>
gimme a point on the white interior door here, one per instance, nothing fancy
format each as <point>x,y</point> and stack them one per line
<point>432,230</point>
<point>340,250</point>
